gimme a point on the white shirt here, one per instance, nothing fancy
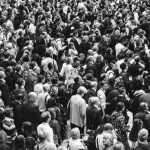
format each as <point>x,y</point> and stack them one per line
<point>49,132</point>
<point>41,101</point>
<point>101,95</point>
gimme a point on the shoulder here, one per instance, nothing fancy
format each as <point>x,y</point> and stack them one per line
<point>50,146</point>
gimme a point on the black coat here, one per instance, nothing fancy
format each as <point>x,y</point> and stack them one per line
<point>5,92</point>
<point>93,117</point>
<point>31,113</point>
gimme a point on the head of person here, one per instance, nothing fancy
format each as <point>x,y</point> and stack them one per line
<point>144,106</point>
<point>19,68</point>
<point>107,139</point>
<point>123,66</point>
<point>46,87</point>
<point>2,75</point>
<point>82,91</point>
<point>42,132</point>
<point>32,96</point>
<point>46,117</point>
<point>108,127</point>
<point>27,128</point>
<point>120,106</point>
<point>143,135</point>
<point>75,133</point>
<point>119,146</point>
<point>20,82</point>
<point>104,85</point>
<point>19,142</point>
<point>41,79</point>
<point>37,70</point>
<point>94,101</point>
<point>111,81</point>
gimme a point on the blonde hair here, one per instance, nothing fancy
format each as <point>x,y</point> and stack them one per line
<point>75,133</point>
<point>143,135</point>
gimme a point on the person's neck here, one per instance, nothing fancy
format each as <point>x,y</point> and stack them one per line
<point>43,142</point>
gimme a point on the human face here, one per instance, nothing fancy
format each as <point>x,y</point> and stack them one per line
<point>107,140</point>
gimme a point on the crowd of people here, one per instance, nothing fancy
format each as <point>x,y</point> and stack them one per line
<point>74,74</point>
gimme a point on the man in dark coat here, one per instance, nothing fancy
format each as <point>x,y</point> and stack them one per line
<point>94,119</point>
<point>4,89</point>
<point>30,111</point>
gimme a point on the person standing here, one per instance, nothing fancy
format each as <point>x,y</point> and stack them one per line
<point>4,89</point>
<point>94,119</point>
<point>77,109</point>
<point>30,111</point>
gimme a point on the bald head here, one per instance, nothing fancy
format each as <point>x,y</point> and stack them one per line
<point>32,96</point>
<point>46,87</point>
<point>2,75</point>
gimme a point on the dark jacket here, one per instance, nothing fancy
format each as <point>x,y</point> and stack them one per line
<point>17,111</point>
<point>93,117</point>
<point>145,117</point>
<point>5,92</point>
<point>143,146</point>
<point>31,113</point>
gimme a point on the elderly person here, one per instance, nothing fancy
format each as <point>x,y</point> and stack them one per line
<point>142,140</point>
<point>108,128</point>
<point>75,143</point>
<point>30,111</point>
<point>44,144</point>
<point>77,109</point>
<point>108,141</point>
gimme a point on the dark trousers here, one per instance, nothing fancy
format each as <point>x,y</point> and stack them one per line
<point>81,129</point>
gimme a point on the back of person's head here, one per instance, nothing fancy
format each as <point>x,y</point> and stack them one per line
<point>75,133</point>
<point>123,66</point>
<point>111,81</point>
<point>9,69</point>
<point>120,106</point>
<point>45,116</point>
<point>143,135</point>
<point>40,78</point>
<point>42,132</point>
<point>82,90</point>
<point>2,75</point>
<point>6,55</point>
<point>46,87</point>
<point>119,146</point>
<point>19,142</point>
<point>93,101</point>
<point>20,82</point>
<point>27,127</point>
<point>18,68</point>
<point>51,102</point>
<point>137,124</point>
<point>108,126</point>
<point>32,97</point>
<point>143,106</point>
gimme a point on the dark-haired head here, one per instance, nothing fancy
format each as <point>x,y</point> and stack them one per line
<point>120,106</point>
